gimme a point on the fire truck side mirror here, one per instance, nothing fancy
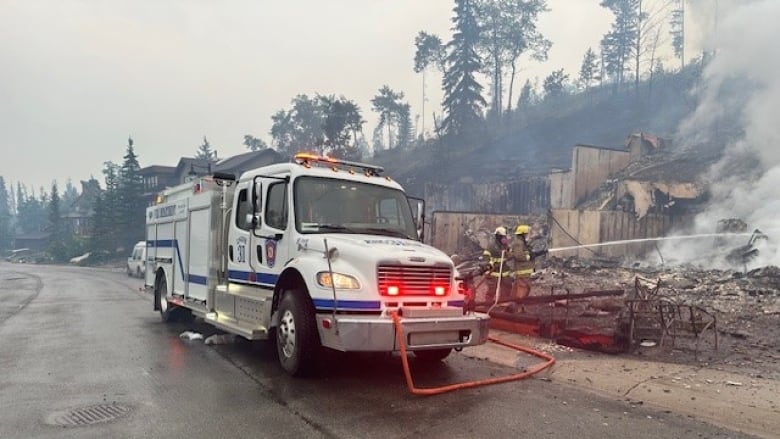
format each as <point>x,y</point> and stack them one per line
<point>257,202</point>
<point>418,213</point>
<point>251,219</point>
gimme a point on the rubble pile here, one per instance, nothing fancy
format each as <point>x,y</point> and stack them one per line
<point>745,304</point>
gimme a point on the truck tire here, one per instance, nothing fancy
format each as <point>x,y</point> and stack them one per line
<point>160,295</point>
<point>297,340</point>
<point>432,355</point>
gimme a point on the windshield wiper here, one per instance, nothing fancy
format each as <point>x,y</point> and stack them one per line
<point>334,228</point>
<point>386,232</point>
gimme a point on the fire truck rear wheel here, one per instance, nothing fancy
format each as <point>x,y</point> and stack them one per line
<point>166,310</point>
<point>297,340</point>
<point>433,355</point>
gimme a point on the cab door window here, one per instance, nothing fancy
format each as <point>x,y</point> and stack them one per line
<point>243,208</point>
<point>276,206</point>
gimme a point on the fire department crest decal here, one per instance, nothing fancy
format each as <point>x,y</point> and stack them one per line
<point>270,252</point>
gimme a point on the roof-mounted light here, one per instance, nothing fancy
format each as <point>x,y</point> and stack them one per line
<point>308,159</point>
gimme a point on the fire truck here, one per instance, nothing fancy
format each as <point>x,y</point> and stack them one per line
<point>315,253</point>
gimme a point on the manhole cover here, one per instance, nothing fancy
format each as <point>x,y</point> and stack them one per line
<point>93,414</point>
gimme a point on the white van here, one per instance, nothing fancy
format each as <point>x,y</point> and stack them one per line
<point>136,263</point>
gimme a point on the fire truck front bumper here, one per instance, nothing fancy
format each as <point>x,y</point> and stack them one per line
<point>377,333</point>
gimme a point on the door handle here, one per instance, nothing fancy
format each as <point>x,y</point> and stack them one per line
<point>260,254</point>
<point>230,252</point>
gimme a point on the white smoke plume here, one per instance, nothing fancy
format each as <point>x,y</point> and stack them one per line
<point>741,82</point>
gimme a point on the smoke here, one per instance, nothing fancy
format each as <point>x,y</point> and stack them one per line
<point>739,100</point>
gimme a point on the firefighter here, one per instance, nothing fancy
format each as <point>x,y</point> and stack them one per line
<point>522,265</point>
<point>497,253</point>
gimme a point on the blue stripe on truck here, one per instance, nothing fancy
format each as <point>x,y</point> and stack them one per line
<point>253,278</point>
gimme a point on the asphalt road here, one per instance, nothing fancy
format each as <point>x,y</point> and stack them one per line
<point>79,342</point>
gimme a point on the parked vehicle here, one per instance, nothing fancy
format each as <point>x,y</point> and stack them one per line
<point>136,263</point>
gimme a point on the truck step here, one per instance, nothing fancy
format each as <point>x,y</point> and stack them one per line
<point>236,327</point>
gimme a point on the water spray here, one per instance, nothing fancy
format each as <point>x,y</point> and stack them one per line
<point>640,240</point>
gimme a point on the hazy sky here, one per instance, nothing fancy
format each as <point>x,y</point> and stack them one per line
<point>78,76</point>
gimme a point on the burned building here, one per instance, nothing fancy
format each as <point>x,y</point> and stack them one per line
<point>640,191</point>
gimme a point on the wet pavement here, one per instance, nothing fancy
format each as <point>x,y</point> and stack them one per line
<point>83,346</point>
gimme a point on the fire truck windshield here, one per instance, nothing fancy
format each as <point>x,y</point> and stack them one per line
<point>328,205</point>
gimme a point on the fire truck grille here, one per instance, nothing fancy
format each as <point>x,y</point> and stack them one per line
<point>413,280</point>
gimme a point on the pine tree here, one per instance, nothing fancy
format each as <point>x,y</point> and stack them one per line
<point>253,143</point>
<point>554,84</point>
<point>132,206</point>
<point>205,152</point>
<point>618,44</point>
<point>463,101</point>
<point>526,98</point>
<point>100,231</point>
<point>429,52</point>
<point>104,237</point>
<point>69,196</point>
<point>387,103</point>
<point>31,216</point>
<point>677,23</point>
<point>405,128</point>
<point>55,227</point>
<point>589,68</point>
<point>6,235</point>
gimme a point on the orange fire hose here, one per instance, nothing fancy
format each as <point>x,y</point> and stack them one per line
<point>468,384</point>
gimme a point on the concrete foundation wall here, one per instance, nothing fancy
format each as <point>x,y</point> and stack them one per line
<point>561,190</point>
<point>591,166</point>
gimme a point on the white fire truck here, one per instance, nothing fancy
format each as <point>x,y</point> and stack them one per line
<point>317,253</point>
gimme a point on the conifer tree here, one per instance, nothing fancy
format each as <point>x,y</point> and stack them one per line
<point>463,101</point>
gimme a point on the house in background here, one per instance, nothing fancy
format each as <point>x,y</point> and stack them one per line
<point>189,167</point>
<point>78,219</point>
<point>241,163</point>
<point>156,178</point>
<point>34,241</point>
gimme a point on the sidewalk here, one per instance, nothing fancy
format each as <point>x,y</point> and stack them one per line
<point>738,402</point>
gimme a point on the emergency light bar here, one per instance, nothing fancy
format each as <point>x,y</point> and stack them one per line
<point>307,159</point>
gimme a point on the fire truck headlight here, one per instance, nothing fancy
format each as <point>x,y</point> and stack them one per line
<point>342,281</point>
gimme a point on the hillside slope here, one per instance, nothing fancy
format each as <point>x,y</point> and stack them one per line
<point>534,141</point>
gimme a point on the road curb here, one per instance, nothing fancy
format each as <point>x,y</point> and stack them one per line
<point>734,401</point>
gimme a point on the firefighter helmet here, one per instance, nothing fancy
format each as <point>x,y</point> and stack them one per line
<point>522,229</point>
<point>501,230</point>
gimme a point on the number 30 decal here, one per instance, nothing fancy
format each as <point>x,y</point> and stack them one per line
<point>241,250</point>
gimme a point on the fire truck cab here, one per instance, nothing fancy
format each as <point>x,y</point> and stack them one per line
<point>316,253</point>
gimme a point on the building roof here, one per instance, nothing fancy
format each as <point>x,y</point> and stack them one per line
<point>248,160</point>
<point>158,169</point>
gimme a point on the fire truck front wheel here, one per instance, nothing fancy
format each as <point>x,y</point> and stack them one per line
<point>297,340</point>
